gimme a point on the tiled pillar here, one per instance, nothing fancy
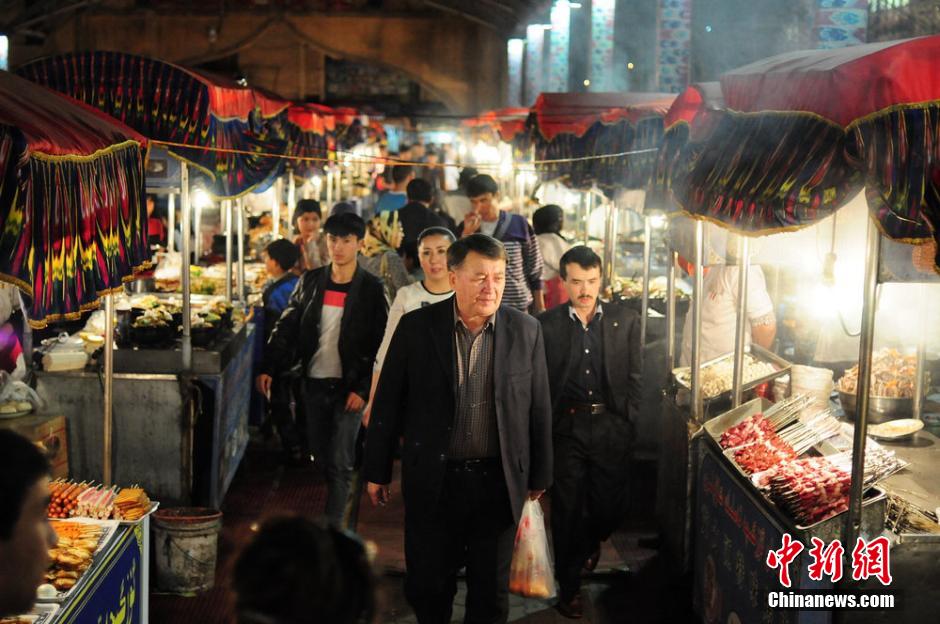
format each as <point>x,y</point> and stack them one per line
<point>602,45</point>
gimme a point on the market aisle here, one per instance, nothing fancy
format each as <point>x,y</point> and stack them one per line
<point>262,487</point>
<point>648,593</point>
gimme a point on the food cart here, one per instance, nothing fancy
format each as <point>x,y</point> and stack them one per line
<point>75,228</point>
<point>228,135</point>
<point>801,136</point>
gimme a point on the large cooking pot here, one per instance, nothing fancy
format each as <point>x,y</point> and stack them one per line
<point>880,409</point>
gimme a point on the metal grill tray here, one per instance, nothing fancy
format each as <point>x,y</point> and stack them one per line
<point>756,351</point>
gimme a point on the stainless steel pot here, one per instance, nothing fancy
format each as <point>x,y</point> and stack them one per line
<point>880,409</point>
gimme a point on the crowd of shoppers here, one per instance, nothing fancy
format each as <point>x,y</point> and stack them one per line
<point>423,330</point>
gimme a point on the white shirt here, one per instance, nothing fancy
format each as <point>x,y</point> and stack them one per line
<point>408,299</point>
<point>553,247</point>
<point>719,311</point>
<point>489,227</point>
<point>326,362</point>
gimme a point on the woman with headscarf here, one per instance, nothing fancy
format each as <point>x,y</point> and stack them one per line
<point>380,252</point>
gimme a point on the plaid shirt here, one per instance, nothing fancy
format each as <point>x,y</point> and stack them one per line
<point>475,434</point>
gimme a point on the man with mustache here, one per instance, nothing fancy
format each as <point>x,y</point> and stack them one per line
<point>593,354</point>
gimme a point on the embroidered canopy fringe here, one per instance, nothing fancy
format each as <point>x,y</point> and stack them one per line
<point>71,228</point>
<point>624,171</point>
<point>170,103</point>
<point>774,171</point>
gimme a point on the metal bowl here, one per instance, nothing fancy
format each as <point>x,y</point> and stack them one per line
<point>880,409</point>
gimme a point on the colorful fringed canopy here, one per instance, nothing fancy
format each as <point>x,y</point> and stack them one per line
<point>506,122</point>
<point>310,129</point>
<point>572,126</point>
<point>73,223</point>
<point>803,132</point>
<point>692,111</point>
<point>166,102</point>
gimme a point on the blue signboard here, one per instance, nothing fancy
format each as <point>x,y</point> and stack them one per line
<point>115,592</point>
<point>732,578</point>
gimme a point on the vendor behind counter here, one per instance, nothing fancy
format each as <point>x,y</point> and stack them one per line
<point>719,312</point>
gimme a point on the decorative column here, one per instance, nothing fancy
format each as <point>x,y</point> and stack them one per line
<point>515,48</point>
<point>673,45</point>
<point>602,45</point>
<point>840,24</point>
<point>534,41</point>
<point>558,43</point>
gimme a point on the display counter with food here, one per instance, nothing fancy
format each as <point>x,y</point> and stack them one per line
<point>180,436</point>
<point>99,570</point>
<point>768,470</point>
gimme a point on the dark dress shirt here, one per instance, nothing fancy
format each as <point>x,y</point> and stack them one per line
<point>475,433</point>
<point>586,383</point>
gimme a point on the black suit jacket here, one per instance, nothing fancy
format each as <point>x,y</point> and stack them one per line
<point>415,398</point>
<point>620,331</point>
<point>297,333</point>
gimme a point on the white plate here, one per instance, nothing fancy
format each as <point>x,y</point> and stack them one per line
<point>895,429</point>
<point>16,414</point>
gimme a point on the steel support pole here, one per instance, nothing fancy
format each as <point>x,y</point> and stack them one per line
<point>918,408</point>
<point>276,205</point>
<point>740,330</point>
<point>853,520</point>
<point>240,222</point>
<point>610,245</point>
<point>671,309</point>
<point>186,211</point>
<point>227,214</point>
<point>108,425</point>
<point>291,200</point>
<point>171,222</point>
<point>645,303</point>
<point>697,294</point>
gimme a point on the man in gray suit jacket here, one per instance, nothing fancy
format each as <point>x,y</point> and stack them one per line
<point>465,383</point>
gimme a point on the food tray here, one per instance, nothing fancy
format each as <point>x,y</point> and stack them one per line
<point>41,613</point>
<point>154,505</point>
<point>719,424</point>
<point>110,529</point>
<point>683,378</point>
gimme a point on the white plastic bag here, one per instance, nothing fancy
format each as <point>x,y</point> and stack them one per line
<point>532,572</point>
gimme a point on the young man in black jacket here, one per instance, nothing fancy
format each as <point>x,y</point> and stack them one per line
<point>333,324</point>
<point>594,369</point>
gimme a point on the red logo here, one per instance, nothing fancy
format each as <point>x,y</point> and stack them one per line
<point>783,557</point>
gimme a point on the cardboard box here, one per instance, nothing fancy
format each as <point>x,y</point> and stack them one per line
<point>47,431</point>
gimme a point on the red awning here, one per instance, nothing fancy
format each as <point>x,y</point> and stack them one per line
<point>55,124</point>
<point>574,113</point>
<point>231,100</point>
<point>840,85</point>
<point>696,99</point>
<point>312,118</point>
<point>508,122</point>
<point>72,215</point>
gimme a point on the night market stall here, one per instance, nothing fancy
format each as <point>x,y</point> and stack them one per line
<point>801,136</point>
<point>231,136</point>
<point>74,231</point>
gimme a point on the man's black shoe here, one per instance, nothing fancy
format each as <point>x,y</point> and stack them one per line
<point>591,562</point>
<point>571,608</point>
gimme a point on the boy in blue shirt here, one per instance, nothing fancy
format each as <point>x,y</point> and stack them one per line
<point>280,257</point>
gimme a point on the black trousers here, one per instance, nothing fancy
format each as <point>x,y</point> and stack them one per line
<point>471,525</point>
<point>590,494</point>
<point>282,414</point>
